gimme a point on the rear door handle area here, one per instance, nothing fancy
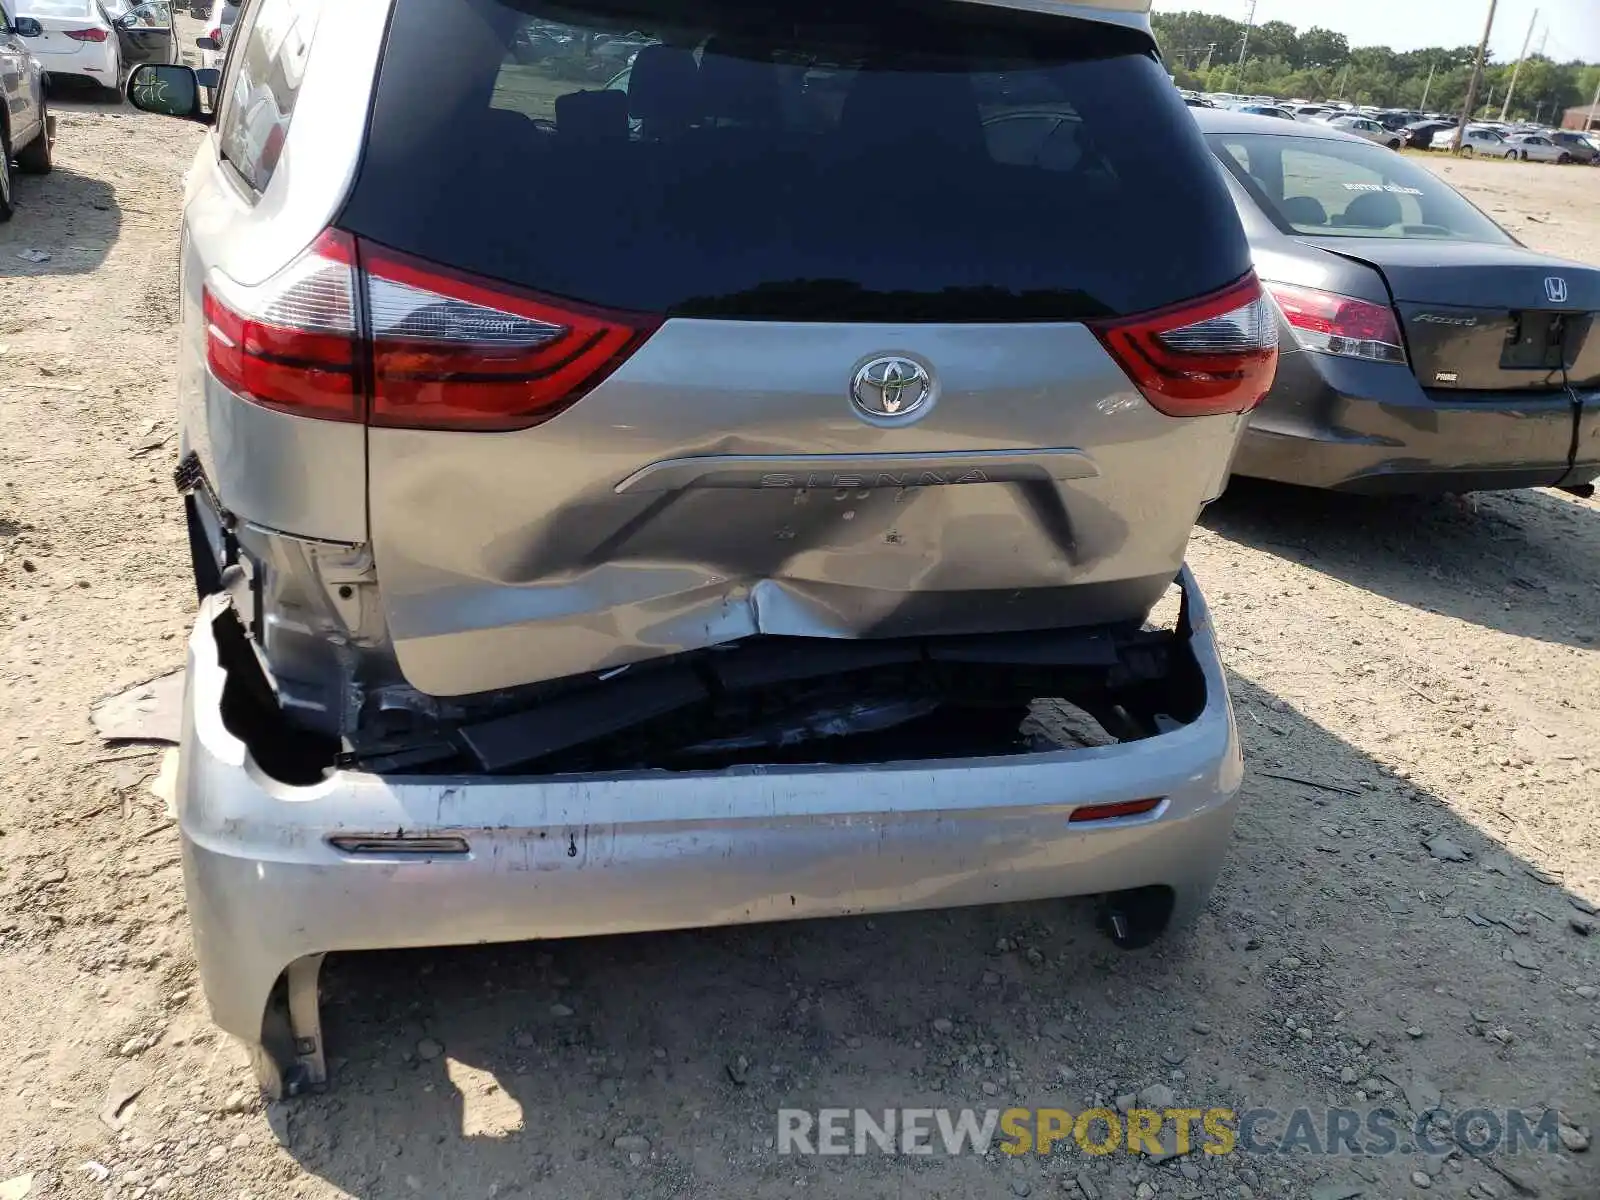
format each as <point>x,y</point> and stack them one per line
<point>891,470</point>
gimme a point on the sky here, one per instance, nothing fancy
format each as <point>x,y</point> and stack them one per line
<point>1574,25</point>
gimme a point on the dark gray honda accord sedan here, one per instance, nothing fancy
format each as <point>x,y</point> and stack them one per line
<point>1423,349</point>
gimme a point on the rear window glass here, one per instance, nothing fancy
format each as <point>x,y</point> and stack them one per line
<point>1349,189</point>
<point>802,160</point>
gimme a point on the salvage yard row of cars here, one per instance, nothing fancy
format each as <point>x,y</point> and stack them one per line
<point>1405,129</point>
<point>700,554</point>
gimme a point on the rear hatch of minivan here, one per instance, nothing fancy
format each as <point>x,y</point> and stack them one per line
<point>696,320</point>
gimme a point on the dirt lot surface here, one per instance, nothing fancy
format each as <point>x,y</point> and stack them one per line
<point>1405,672</point>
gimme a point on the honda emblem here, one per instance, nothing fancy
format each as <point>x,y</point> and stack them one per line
<point>1555,287</point>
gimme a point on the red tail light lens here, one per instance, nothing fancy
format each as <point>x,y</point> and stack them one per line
<point>215,34</point>
<point>453,352</point>
<point>1218,354</point>
<point>1343,325</point>
<point>447,351</point>
<point>87,35</point>
<point>1110,812</point>
<point>290,343</point>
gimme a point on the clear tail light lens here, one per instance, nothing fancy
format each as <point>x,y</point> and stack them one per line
<point>1342,325</point>
<point>291,343</point>
<point>453,352</point>
<point>1217,354</point>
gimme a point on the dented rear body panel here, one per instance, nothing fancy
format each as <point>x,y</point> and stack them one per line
<point>720,485</point>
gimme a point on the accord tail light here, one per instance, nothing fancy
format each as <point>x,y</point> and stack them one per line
<point>1217,354</point>
<point>1343,325</point>
<point>87,35</point>
<point>442,349</point>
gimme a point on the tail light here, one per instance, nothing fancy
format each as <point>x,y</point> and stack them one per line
<point>291,343</point>
<point>453,352</point>
<point>86,35</point>
<point>445,350</point>
<point>1218,354</point>
<point>215,35</point>
<point>1343,325</point>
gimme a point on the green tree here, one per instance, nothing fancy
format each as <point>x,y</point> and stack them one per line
<point>1318,63</point>
<point>1323,48</point>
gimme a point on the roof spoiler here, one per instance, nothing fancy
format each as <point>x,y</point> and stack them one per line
<point>1134,14</point>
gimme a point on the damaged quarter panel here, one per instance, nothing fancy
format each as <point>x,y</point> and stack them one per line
<point>636,523</point>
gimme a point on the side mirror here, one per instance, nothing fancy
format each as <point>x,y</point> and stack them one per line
<point>207,43</point>
<point>169,91</point>
<point>27,27</point>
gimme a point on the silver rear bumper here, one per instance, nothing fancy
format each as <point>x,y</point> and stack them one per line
<point>579,855</point>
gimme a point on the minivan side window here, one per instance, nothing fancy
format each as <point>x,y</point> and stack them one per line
<point>264,73</point>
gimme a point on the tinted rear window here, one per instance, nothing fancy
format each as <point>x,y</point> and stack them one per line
<point>802,160</point>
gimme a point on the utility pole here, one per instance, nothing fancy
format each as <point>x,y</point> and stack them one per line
<point>1249,24</point>
<point>1476,81</point>
<point>1594,107</point>
<point>1428,87</point>
<point>1517,70</point>
<point>1211,48</point>
<point>1344,77</point>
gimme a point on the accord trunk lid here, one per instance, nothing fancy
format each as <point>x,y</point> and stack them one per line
<point>1490,318</point>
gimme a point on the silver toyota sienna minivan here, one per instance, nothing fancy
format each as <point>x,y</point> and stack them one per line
<point>658,463</point>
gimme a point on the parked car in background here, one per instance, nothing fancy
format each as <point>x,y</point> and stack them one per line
<point>1367,128</point>
<point>743,646</point>
<point>1419,135</point>
<point>1266,110</point>
<point>98,41</point>
<point>1435,353</point>
<point>213,43</point>
<point>1479,140</point>
<point>1536,147</point>
<point>28,131</point>
<point>1582,149</point>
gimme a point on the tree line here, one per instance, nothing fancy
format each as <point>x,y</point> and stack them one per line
<point>1202,52</point>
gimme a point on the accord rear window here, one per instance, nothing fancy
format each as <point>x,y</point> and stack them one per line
<point>1335,188</point>
<point>804,159</point>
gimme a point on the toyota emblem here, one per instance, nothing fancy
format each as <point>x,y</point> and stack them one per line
<point>891,388</point>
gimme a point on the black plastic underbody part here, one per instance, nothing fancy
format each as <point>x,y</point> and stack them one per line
<point>525,737</point>
<point>774,700</point>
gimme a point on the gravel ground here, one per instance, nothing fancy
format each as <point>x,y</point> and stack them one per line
<point>1403,918</point>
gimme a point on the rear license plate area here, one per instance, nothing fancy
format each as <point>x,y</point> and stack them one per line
<point>1536,341</point>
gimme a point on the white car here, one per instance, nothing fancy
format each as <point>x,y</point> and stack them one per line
<point>1479,141</point>
<point>219,28</point>
<point>100,40</point>
<point>1368,128</point>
